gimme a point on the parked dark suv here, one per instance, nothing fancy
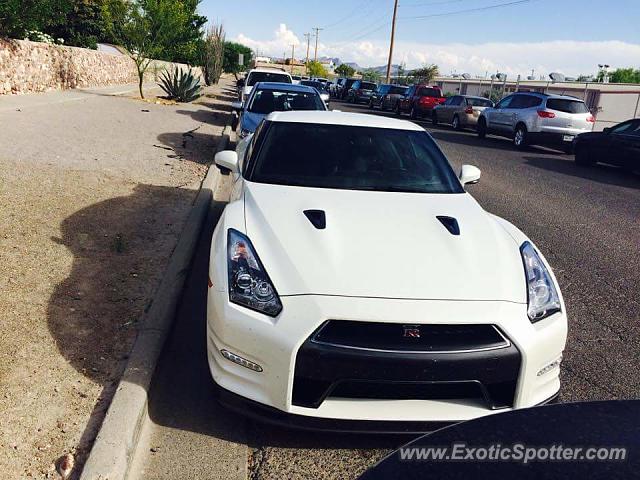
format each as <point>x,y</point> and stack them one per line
<point>361,91</point>
<point>386,96</point>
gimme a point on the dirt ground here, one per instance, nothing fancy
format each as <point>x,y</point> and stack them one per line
<point>94,192</point>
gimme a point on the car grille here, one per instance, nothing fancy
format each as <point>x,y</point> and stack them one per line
<point>403,337</point>
<point>369,360</point>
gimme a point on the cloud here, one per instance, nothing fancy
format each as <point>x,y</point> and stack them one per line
<point>282,41</point>
<point>569,57</point>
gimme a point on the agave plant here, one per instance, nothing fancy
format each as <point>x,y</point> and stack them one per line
<point>180,85</point>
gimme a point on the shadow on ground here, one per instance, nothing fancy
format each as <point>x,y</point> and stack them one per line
<point>598,173</point>
<point>120,248</point>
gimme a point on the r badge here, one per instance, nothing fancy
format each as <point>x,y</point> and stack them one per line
<point>411,331</point>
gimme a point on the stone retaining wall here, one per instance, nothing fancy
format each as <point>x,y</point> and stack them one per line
<point>33,67</point>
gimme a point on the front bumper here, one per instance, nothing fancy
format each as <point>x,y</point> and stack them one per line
<point>275,344</point>
<point>273,416</point>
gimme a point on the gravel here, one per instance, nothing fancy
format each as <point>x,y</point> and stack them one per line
<point>95,190</point>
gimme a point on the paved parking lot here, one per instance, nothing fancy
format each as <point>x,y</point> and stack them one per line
<point>585,220</point>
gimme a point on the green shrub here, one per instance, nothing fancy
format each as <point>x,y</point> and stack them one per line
<point>180,85</point>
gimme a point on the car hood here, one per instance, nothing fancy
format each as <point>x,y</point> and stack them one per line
<point>381,244</point>
<point>250,121</point>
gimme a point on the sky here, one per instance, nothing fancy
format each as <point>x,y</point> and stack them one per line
<point>460,36</point>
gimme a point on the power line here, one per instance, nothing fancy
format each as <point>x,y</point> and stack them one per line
<point>468,10</point>
<point>430,4</point>
<point>360,6</point>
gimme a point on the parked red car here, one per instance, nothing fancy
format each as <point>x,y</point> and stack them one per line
<point>420,101</point>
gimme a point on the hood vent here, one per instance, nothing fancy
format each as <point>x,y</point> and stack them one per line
<point>317,218</point>
<point>450,224</point>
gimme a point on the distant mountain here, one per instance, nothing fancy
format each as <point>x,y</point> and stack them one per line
<point>353,65</point>
<point>335,60</point>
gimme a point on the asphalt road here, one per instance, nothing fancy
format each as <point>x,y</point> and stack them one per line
<point>585,220</point>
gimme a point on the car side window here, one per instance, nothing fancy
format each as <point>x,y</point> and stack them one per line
<point>505,102</point>
<point>410,92</point>
<point>628,128</point>
<point>519,102</point>
<point>455,101</point>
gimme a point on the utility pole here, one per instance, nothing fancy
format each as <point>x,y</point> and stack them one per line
<point>293,52</point>
<point>306,65</point>
<point>315,56</point>
<point>393,34</point>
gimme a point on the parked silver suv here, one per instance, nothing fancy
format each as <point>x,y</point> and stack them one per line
<point>537,118</point>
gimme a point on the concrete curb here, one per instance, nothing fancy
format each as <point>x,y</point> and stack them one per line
<point>114,447</point>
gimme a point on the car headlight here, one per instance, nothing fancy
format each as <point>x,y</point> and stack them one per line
<point>542,296</point>
<point>249,284</point>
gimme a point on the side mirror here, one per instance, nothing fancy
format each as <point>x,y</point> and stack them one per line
<point>236,105</point>
<point>240,82</point>
<point>469,175</point>
<point>607,130</point>
<point>227,160</point>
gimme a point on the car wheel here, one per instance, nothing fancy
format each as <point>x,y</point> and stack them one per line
<point>583,157</point>
<point>482,128</point>
<point>456,123</point>
<point>520,137</point>
<point>434,118</point>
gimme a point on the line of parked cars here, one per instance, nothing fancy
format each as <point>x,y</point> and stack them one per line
<point>354,284</point>
<point>527,118</point>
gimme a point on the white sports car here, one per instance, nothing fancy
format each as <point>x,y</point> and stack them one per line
<point>354,284</point>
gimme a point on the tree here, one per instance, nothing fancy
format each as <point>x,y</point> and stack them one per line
<point>83,26</point>
<point>625,75</point>
<point>187,43</point>
<point>316,69</point>
<point>150,28</point>
<point>232,51</point>
<point>371,75</point>
<point>17,17</point>
<point>345,70</point>
<point>213,54</point>
<point>426,73</point>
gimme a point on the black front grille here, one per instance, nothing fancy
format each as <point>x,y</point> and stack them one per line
<point>406,337</point>
<point>345,359</point>
<point>408,390</point>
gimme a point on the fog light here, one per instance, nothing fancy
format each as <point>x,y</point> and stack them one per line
<point>551,366</point>
<point>241,361</point>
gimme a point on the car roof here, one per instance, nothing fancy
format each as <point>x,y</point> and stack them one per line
<point>269,70</point>
<point>293,87</point>
<point>342,118</point>
<point>546,95</point>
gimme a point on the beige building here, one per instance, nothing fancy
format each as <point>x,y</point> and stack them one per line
<point>610,103</point>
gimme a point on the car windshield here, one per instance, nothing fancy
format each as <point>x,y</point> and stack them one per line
<point>311,83</point>
<point>353,158</point>
<point>479,102</point>
<point>566,106</point>
<point>256,77</point>
<point>398,90</point>
<point>429,92</point>
<point>267,101</point>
